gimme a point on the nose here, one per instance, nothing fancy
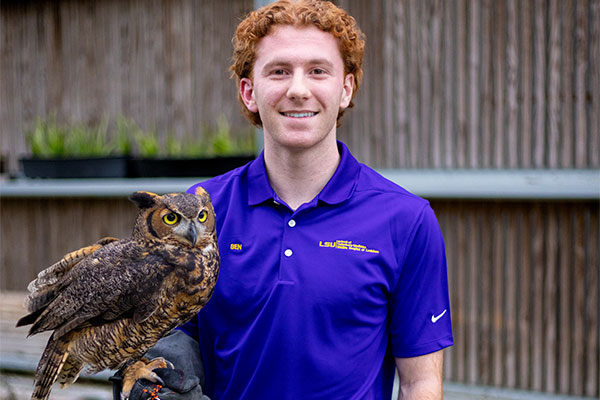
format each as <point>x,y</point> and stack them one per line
<point>298,89</point>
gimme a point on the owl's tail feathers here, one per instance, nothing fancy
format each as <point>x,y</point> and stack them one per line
<point>42,290</point>
<point>49,367</point>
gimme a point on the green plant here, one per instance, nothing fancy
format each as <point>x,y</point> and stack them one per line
<point>46,139</point>
<point>49,139</point>
<point>220,142</point>
<point>84,141</point>
<point>147,143</point>
<point>123,136</point>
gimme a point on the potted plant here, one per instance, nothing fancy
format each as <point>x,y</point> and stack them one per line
<point>215,153</point>
<point>74,151</point>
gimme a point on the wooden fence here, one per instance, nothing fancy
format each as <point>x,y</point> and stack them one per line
<point>523,280</point>
<point>524,290</point>
<point>448,84</point>
<point>478,84</point>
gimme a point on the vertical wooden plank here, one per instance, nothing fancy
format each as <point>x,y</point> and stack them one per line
<point>551,238</point>
<point>592,298</point>
<point>449,85</point>
<point>473,279</point>
<point>581,65</point>
<point>178,71</point>
<point>486,330</point>
<point>525,315</point>
<point>537,296</point>
<point>461,285</point>
<point>526,83</point>
<point>499,82</point>
<point>578,310</point>
<point>594,79</point>
<point>461,84</point>
<point>539,61</point>
<point>510,297</point>
<point>497,293</point>
<point>375,138</point>
<point>474,65</point>
<point>413,83</point>
<point>390,59</point>
<point>565,339</point>
<point>400,82</point>
<point>425,85</point>
<point>486,96</point>
<point>437,86</point>
<point>512,84</point>
<point>566,138</point>
<point>554,83</point>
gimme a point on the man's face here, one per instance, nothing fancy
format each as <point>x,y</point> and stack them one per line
<point>298,86</point>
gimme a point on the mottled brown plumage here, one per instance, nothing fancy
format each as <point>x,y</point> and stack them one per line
<point>110,302</point>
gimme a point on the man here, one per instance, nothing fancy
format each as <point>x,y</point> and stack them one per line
<point>331,276</point>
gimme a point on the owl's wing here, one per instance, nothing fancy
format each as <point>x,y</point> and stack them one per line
<point>114,282</point>
<point>48,283</point>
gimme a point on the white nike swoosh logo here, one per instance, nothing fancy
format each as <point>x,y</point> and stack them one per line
<point>435,318</point>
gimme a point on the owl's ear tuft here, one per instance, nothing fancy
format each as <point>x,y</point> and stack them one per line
<point>144,199</point>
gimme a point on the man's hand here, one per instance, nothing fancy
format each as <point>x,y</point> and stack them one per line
<point>421,377</point>
<point>177,386</point>
<point>184,382</point>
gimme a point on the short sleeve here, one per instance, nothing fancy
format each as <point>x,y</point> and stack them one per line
<point>420,305</point>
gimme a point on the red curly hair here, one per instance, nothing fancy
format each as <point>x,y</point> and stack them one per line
<point>322,14</point>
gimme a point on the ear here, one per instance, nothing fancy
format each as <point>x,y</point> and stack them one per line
<point>347,91</point>
<point>144,199</point>
<point>247,94</point>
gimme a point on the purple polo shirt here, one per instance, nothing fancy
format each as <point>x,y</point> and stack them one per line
<point>316,303</point>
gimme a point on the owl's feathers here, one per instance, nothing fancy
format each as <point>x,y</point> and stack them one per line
<point>110,302</point>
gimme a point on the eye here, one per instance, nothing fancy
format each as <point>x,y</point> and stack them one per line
<point>277,73</point>
<point>203,216</point>
<point>171,219</point>
<point>318,71</point>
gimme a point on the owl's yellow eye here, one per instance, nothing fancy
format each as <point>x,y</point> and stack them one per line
<point>171,219</point>
<point>203,216</point>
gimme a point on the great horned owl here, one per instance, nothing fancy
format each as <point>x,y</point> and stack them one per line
<point>110,302</point>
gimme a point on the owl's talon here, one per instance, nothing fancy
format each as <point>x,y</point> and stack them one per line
<point>142,370</point>
<point>155,378</point>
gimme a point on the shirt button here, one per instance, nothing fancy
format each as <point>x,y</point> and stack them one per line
<point>291,223</point>
<point>288,252</point>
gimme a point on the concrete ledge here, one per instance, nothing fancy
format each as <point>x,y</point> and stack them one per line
<point>430,184</point>
<point>499,184</point>
<point>457,391</point>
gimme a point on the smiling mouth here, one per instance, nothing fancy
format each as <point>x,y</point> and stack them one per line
<point>299,114</point>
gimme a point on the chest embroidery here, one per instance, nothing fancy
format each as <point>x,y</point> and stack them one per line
<point>347,245</point>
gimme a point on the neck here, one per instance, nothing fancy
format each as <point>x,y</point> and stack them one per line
<point>299,176</point>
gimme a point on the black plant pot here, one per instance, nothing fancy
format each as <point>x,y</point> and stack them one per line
<point>92,167</point>
<point>185,167</point>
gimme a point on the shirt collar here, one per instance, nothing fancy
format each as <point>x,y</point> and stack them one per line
<point>339,188</point>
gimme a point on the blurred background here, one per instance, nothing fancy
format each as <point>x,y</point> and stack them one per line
<point>489,109</point>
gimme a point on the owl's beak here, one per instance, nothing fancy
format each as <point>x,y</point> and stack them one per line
<point>191,234</point>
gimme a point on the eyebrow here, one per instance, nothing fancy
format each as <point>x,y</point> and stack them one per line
<point>284,63</point>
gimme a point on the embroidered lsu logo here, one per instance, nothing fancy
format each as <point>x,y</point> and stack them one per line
<point>347,245</point>
<point>236,247</point>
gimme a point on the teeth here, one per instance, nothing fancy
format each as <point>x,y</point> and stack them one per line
<point>300,115</point>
